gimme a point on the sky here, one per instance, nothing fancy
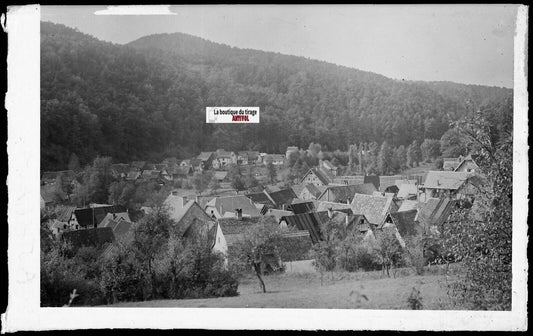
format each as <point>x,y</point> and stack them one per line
<point>471,44</point>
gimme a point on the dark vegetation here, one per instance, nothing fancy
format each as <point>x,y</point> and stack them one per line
<point>146,100</point>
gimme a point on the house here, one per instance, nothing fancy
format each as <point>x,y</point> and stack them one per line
<point>450,164</point>
<point>120,170</point>
<point>138,165</point>
<point>50,177</point>
<point>291,149</point>
<point>298,245</point>
<point>279,199</point>
<point>407,205</point>
<point>231,206</point>
<point>345,193</point>
<point>171,161</point>
<point>311,191</point>
<point>374,208</point>
<point>407,191</point>
<point>205,160</point>
<point>324,206</point>
<point>450,184</point>
<point>114,217</point>
<point>246,158</point>
<point>180,172</point>
<point>434,212</point>
<point>120,226</point>
<point>222,159</point>
<point>133,175</point>
<point>151,174</point>
<point>405,222</point>
<point>92,216</point>
<point>301,207</point>
<point>317,176</point>
<point>389,181</point>
<point>310,222</point>
<point>467,165</point>
<point>313,221</point>
<point>276,159</point>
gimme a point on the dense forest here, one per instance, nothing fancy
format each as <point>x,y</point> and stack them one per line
<point>146,100</point>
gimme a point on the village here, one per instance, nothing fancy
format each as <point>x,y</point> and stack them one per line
<point>364,205</point>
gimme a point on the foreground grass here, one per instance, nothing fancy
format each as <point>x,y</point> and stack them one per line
<point>361,290</point>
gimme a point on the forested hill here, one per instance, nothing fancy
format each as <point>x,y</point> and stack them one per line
<point>146,100</point>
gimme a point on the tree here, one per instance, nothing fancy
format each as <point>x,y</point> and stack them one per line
<point>214,185</point>
<point>387,248</point>
<point>238,184</point>
<point>150,236</point>
<point>250,180</point>
<point>452,144</point>
<point>98,179</point>
<point>271,172</point>
<point>430,149</point>
<point>385,160</point>
<point>260,245</point>
<point>201,180</point>
<point>400,158</point>
<point>482,235</point>
<point>414,155</point>
<point>122,193</point>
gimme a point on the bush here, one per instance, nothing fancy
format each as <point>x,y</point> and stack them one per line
<point>60,276</point>
<point>366,260</point>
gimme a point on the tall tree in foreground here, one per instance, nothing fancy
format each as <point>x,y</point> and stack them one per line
<point>259,246</point>
<point>482,237</point>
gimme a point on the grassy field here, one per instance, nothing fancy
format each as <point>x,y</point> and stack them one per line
<point>359,290</point>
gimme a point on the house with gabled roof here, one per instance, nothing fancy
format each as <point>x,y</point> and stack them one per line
<point>298,207</point>
<point>407,191</point>
<point>205,160</point>
<point>231,206</point>
<point>193,222</point>
<point>310,191</point>
<point>434,212</point>
<point>406,205</point>
<point>405,222</point>
<point>467,165</point>
<point>120,170</point>
<point>450,164</point>
<point>92,216</point>
<point>389,181</point>
<point>375,208</point>
<point>344,193</point>
<point>139,165</point>
<point>317,176</point>
<point>450,184</point>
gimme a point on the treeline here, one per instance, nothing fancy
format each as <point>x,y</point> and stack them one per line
<point>146,100</point>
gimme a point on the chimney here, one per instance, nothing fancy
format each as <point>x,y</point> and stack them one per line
<point>330,213</point>
<point>114,215</point>
<point>348,201</point>
<point>347,219</point>
<point>197,199</point>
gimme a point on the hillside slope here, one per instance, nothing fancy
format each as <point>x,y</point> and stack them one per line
<point>146,99</point>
